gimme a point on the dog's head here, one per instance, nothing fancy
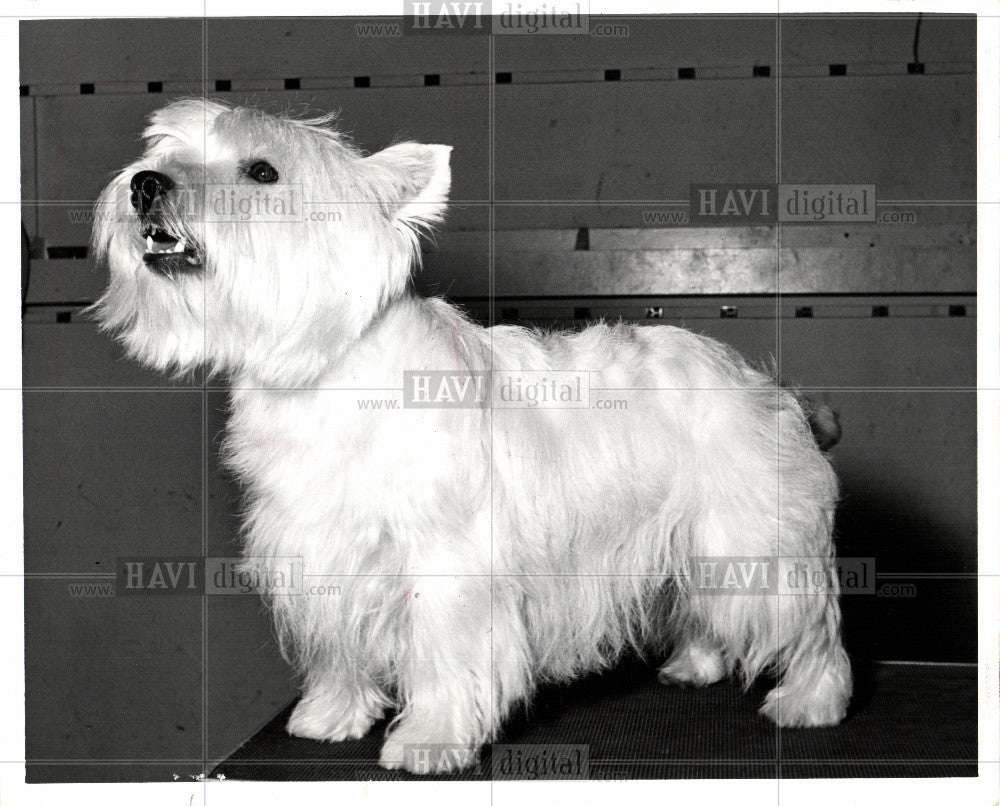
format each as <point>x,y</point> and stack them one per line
<point>245,241</point>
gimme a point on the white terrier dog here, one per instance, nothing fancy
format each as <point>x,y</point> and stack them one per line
<point>475,549</point>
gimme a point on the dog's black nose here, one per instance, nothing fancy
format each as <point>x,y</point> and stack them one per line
<point>146,186</point>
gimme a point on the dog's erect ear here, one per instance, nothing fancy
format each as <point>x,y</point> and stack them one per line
<point>421,178</point>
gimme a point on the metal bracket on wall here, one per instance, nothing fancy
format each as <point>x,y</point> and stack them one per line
<point>580,311</point>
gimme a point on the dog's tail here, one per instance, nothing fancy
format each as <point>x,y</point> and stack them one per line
<point>824,422</point>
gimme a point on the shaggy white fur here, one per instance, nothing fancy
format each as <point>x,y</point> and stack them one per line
<point>475,550</point>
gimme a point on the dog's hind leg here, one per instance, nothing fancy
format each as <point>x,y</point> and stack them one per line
<point>771,625</point>
<point>762,581</point>
<point>815,684</point>
<point>695,661</point>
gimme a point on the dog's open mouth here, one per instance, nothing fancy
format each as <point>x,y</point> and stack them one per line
<point>169,254</point>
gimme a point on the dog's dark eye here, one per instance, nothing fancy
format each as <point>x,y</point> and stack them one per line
<point>262,172</point>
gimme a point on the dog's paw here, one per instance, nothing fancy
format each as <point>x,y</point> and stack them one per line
<point>694,666</point>
<point>824,705</point>
<point>330,720</point>
<point>417,750</point>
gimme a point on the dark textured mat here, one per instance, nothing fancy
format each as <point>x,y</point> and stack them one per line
<point>905,721</point>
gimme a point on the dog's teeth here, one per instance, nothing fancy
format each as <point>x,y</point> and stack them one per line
<point>149,243</point>
<point>178,247</point>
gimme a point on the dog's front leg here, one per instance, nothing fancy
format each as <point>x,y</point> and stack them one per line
<point>466,663</point>
<point>335,705</point>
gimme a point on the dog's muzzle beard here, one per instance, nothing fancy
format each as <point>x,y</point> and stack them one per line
<point>167,253</point>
